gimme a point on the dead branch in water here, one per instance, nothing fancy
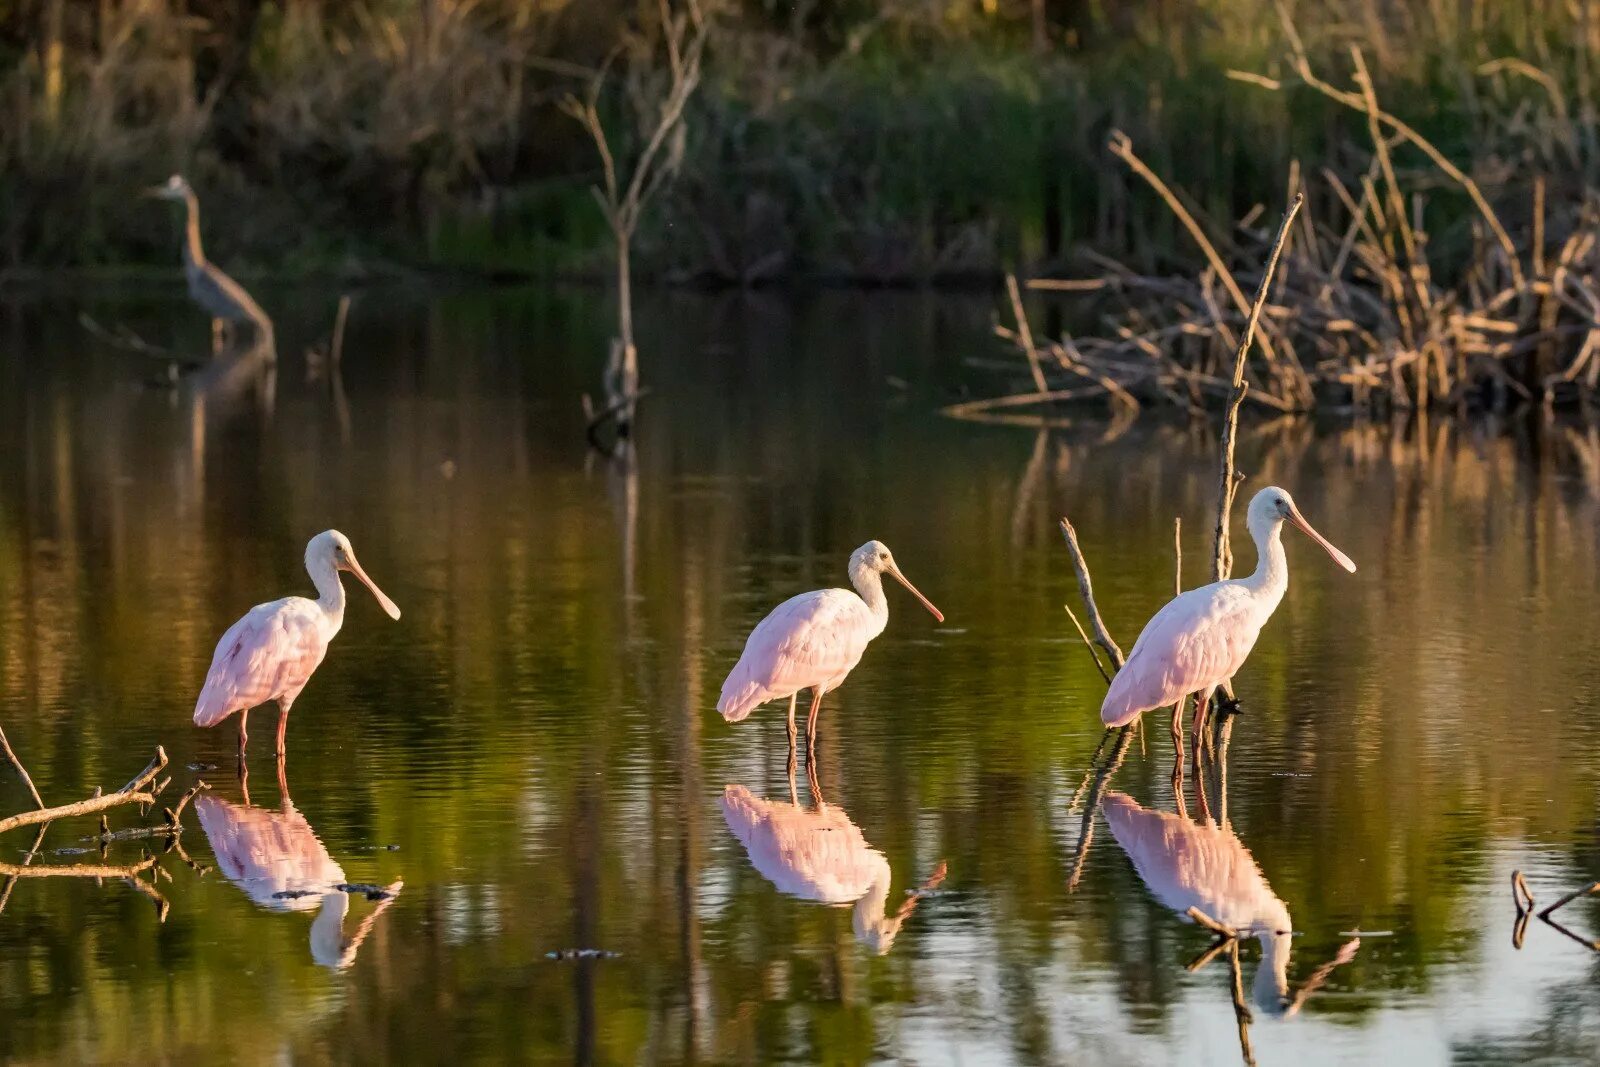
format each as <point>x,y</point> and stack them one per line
<point>132,793</point>
<point>1371,329</point>
<point>21,770</point>
<point>1241,1010</point>
<point>1086,589</point>
<point>1221,554</point>
<point>627,189</point>
<point>1521,895</point>
<point>1546,914</point>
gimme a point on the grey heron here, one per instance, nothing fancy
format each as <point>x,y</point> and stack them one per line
<point>217,294</point>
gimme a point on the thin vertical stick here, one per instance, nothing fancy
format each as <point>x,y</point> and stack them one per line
<point>23,771</point>
<point>1088,644</point>
<point>1241,1011</point>
<point>1025,332</point>
<point>1538,226</point>
<point>1086,587</point>
<point>1221,559</point>
<point>336,351</point>
<point>1177,555</point>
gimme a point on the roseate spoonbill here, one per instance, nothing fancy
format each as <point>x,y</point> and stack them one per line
<point>1203,636</point>
<point>270,653</point>
<point>820,856</point>
<point>217,294</point>
<point>281,864</point>
<point>812,641</point>
<point>1187,865</point>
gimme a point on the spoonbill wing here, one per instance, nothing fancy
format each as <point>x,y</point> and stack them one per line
<point>808,640</point>
<point>271,650</point>
<point>1198,640</point>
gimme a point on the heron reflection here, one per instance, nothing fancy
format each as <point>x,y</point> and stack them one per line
<point>281,864</point>
<point>820,855</point>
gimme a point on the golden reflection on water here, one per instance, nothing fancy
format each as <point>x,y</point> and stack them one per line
<point>537,740</point>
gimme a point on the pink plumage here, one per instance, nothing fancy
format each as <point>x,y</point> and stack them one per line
<point>281,864</point>
<point>1201,638</point>
<point>812,641</point>
<point>271,653</point>
<point>1203,865</point>
<point>267,655</point>
<point>821,856</point>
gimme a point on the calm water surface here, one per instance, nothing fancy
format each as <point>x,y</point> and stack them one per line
<point>532,751</point>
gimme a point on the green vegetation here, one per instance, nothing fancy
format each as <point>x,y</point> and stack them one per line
<point>887,142</point>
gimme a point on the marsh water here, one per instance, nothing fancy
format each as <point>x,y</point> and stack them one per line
<point>593,866</point>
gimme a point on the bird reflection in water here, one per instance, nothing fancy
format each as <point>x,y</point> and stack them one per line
<point>820,855</point>
<point>1201,865</point>
<point>281,864</point>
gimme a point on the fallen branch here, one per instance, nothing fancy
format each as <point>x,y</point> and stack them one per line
<point>132,793</point>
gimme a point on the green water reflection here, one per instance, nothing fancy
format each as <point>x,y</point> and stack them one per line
<point>533,751</point>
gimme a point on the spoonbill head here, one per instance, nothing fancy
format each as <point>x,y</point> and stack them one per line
<point>270,653</point>
<point>1271,508</point>
<point>814,640</point>
<point>1202,637</point>
<point>874,558</point>
<point>329,552</point>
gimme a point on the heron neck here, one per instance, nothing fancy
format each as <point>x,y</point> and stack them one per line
<point>193,253</point>
<point>1272,566</point>
<point>331,591</point>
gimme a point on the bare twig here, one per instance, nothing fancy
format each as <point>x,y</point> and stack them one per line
<point>1221,561</point>
<point>1177,555</point>
<point>1026,333</point>
<point>128,794</point>
<point>21,770</point>
<point>1568,899</point>
<point>1121,147</point>
<point>1521,895</point>
<point>1086,588</point>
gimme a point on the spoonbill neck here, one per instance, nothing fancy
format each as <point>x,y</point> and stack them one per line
<point>325,576</point>
<point>869,584</point>
<point>1272,566</point>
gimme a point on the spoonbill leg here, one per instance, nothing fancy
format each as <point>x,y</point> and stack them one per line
<point>283,724</point>
<point>811,725</point>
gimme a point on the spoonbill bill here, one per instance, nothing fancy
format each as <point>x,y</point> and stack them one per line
<point>1203,636</point>
<point>812,641</point>
<point>271,652</point>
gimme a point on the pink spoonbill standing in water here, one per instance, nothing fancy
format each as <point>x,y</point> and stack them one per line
<point>269,654</point>
<point>814,640</point>
<point>1203,636</point>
